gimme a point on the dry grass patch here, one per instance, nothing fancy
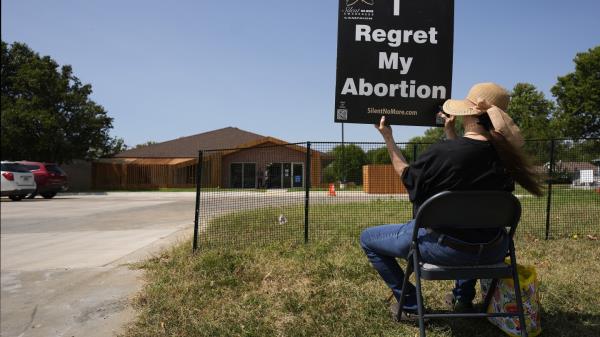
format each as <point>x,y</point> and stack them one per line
<point>329,289</point>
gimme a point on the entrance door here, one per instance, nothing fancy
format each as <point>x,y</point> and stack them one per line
<point>237,175</point>
<point>274,175</point>
<point>287,175</point>
<point>297,175</point>
<point>249,175</point>
<point>243,175</point>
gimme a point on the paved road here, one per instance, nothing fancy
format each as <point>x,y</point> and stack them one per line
<point>62,260</point>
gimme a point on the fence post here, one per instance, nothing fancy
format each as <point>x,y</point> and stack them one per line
<point>414,158</point>
<point>306,191</point>
<point>197,210</point>
<point>549,201</point>
<point>414,152</point>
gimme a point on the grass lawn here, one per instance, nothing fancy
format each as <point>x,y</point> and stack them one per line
<point>278,286</point>
<point>329,289</point>
<point>573,212</point>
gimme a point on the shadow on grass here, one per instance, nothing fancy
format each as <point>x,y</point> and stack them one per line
<point>570,324</point>
<point>562,324</point>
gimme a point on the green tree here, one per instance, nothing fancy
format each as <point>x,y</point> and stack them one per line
<point>532,112</point>
<point>431,135</point>
<point>47,114</point>
<point>346,165</point>
<point>578,97</point>
<point>378,156</point>
<point>150,142</point>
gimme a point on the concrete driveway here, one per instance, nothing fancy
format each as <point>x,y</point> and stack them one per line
<point>63,260</point>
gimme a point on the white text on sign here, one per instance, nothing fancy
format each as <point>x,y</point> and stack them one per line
<point>395,37</point>
<point>391,62</point>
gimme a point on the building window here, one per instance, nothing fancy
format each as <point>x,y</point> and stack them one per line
<point>243,175</point>
<point>297,174</point>
<point>249,180</point>
<point>284,175</point>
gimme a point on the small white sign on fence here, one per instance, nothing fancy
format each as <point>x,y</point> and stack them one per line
<point>586,176</point>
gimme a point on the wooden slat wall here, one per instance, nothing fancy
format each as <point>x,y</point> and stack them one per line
<point>114,176</point>
<point>214,164</point>
<point>108,176</point>
<point>382,179</point>
<point>315,170</point>
<point>130,176</point>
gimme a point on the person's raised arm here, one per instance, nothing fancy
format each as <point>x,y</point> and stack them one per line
<point>448,125</point>
<point>398,160</point>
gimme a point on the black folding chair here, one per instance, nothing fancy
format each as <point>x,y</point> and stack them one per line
<point>466,209</point>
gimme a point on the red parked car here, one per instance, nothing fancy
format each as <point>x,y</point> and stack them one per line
<point>50,178</point>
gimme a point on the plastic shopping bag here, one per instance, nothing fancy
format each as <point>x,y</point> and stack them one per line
<point>504,300</point>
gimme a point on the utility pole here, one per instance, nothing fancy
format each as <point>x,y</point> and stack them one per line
<point>343,164</point>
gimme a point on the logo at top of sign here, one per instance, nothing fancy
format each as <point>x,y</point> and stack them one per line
<point>350,3</point>
<point>358,10</point>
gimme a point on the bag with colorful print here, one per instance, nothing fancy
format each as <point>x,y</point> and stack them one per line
<point>504,300</point>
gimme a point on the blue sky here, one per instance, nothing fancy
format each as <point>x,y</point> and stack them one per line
<point>167,69</point>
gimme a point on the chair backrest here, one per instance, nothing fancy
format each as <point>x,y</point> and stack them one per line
<point>470,209</point>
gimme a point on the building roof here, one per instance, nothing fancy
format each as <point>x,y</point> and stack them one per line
<point>568,166</point>
<point>267,142</point>
<point>572,166</point>
<point>187,147</point>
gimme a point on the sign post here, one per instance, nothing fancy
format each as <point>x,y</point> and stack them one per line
<point>394,59</point>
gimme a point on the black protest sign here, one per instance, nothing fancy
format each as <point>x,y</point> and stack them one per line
<point>394,59</point>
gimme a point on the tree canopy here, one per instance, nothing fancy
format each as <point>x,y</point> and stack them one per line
<point>431,135</point>
<point>379,155</point>
<point>148,143</point>
<point>578,97</point>
<point>532,112</point>
<point>347,164</point>
<point>47,114</point>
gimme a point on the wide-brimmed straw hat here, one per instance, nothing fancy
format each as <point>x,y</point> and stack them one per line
<point>492,99</point>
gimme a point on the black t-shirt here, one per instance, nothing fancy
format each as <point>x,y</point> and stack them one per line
<point>455,165</point>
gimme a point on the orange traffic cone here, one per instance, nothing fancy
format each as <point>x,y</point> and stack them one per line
<point>332,190</point>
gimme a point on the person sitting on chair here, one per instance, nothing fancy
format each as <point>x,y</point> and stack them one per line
<point>487,157</point>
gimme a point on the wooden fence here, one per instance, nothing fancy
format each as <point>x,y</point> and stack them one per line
<point>117,176</point>
<point>382,179</point>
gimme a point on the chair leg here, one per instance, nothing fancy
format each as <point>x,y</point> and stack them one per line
<point>490,294</point>
<point>515,276</point>
<point>409,270</point>
<point>420,309</point>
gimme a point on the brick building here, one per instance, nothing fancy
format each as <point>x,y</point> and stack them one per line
<point>232,158</point>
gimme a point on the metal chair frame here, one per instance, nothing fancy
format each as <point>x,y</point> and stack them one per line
<point>466,209</point>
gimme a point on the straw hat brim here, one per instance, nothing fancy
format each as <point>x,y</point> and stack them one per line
<point>460,107</point>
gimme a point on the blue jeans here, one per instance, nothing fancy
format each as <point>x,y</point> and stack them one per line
<point>382,244</point>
